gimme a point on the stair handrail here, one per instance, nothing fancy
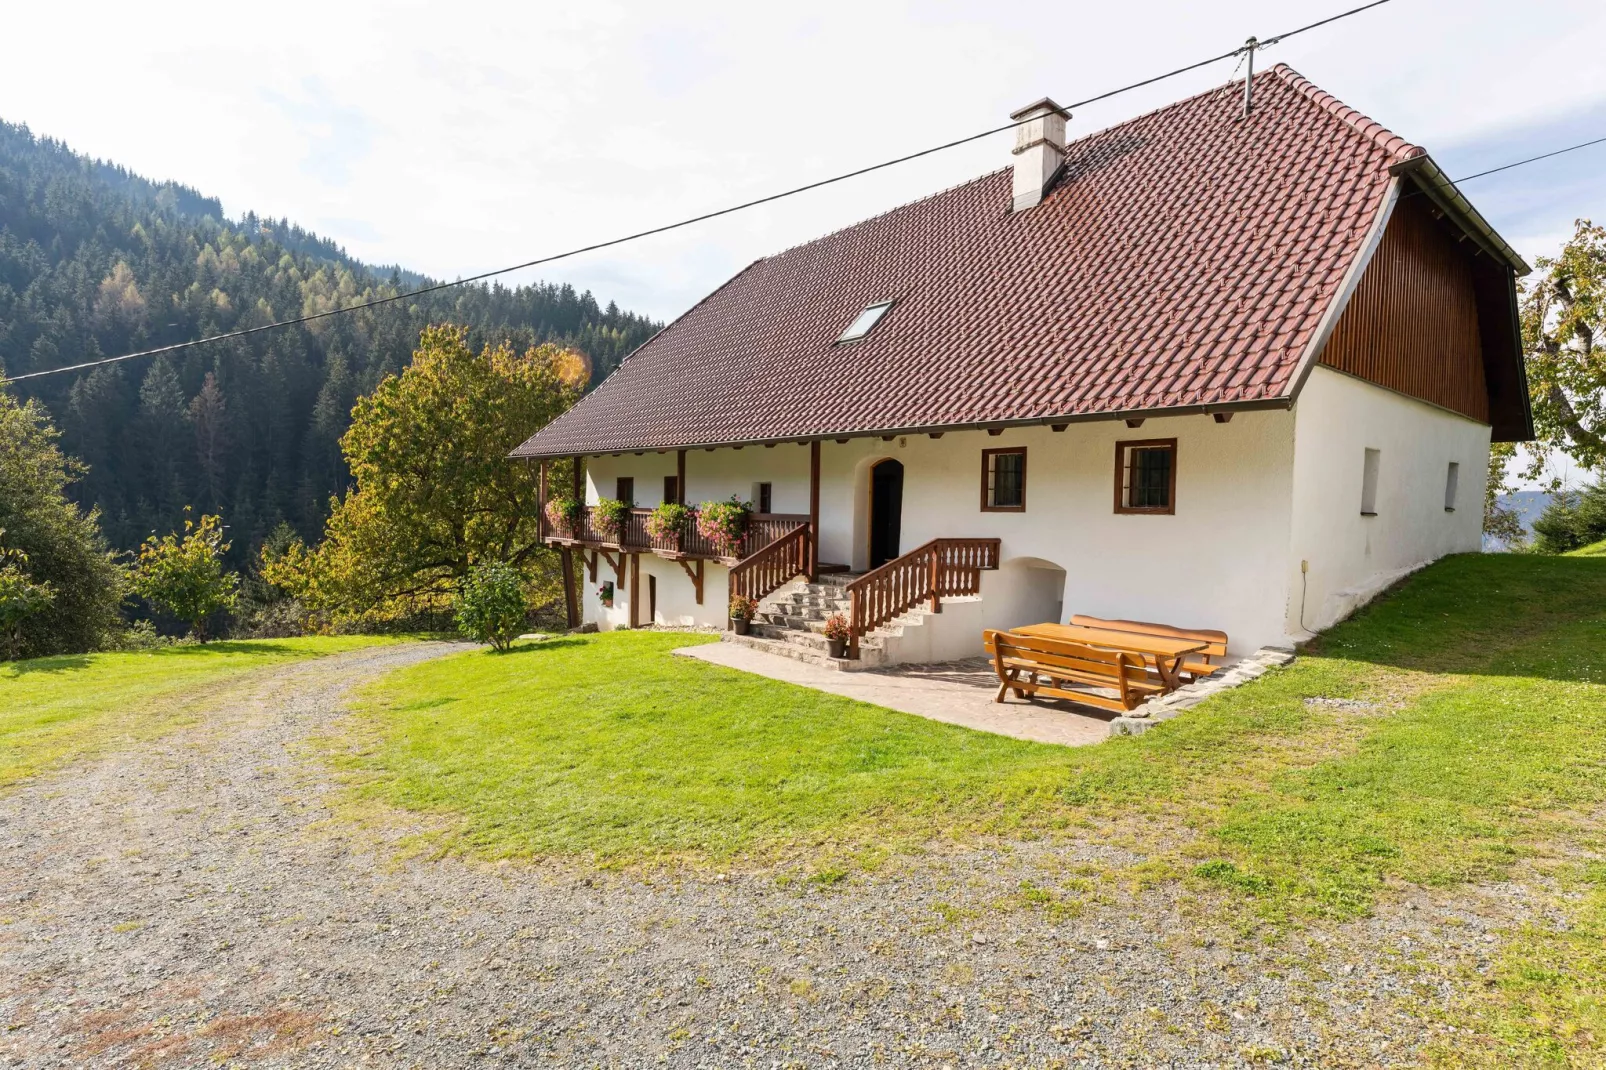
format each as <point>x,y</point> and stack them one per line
<point>773,565</point>
<point>941,567</point>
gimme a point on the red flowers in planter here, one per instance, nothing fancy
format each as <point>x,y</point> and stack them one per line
<point>609,519</point>
<point>724,523</point>
<point>668,522</point>
<point>564,513</point>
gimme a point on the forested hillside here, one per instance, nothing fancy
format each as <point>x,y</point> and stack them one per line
<point>96,261</point>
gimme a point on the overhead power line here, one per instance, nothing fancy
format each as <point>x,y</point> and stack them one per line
<point>1533,159</point>
<point>1251,46</point>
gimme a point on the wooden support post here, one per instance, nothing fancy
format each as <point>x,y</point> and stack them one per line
<point>635,590</point>
<point>591,565</point>
<point>571,596</point>
<point>540,504</point>
<point>936,572</point>
<point>814,511</point>
<point>680,479</point>
<point>854,616</point>
<point>696,576</point>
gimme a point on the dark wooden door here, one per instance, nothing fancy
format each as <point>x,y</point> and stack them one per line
<point>886,511</point>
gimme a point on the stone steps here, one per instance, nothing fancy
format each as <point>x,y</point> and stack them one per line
<point>791,623</point>
<point>869,657</point>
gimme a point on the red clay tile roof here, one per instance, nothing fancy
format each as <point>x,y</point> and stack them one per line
<point>1186,258</point>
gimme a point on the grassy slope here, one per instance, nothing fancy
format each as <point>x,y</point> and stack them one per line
<point>1594,549</point>
<point>53,710</point>
<point>1474,743</point>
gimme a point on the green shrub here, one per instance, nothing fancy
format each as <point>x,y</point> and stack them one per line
<point>20,598</point>
<point>142,636</point>
<point>62,542</point>
<point>185,576</point>
<point>491,607</point>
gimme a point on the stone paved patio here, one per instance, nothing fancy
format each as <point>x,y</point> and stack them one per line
<point>956,692</point>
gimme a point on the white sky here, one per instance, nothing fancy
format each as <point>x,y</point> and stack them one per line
<point>457,138</point>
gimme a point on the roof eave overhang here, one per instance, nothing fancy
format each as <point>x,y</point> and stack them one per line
<point>1437,187</point>
<point>1212,409</point>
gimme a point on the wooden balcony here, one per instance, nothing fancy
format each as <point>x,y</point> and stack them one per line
<point>632,538</point>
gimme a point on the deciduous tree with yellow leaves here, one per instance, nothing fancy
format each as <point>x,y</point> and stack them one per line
<point>435,494</point>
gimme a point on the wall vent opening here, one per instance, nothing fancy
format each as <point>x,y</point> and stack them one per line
<point>1369,470</point>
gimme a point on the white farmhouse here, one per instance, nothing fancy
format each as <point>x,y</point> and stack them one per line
<point>1211,368</point>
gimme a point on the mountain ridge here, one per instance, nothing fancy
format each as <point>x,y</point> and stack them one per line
<point>97,260</point>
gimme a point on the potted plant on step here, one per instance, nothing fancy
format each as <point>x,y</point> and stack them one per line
<point>667,524</point>
<point>610,518</point>
<point>724,523</point>
<point>742,610</point>
<point>563,513</point>
<point>837,634</point>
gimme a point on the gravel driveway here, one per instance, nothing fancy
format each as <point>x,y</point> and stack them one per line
<point>190,904</point>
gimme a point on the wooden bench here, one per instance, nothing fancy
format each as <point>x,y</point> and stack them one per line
<point>1195,665</point>
<point>1021,659</point>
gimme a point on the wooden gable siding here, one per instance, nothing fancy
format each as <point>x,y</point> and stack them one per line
<point>1412,324</point>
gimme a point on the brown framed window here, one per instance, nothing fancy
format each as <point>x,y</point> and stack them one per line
<point>763,497</point>
<point>672,489</point>
<point>1146,476</point>
<point>624,489</point>
<point>1003,480</point>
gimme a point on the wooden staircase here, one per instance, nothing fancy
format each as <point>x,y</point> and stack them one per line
<point>881,606</point>
<point>942,568</point>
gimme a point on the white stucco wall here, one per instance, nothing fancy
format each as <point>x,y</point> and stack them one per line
<point>1351,557</point>
<point>1255,497</point>
<point>677,603</point>
<point>1217,562</point>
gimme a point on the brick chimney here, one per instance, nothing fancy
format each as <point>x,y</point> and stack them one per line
<point>1039,150</point>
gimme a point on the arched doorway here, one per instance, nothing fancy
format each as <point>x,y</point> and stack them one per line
<point>886,510</point>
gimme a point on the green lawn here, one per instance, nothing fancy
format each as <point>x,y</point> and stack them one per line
<point>1471,748</point>
<point>53,710</point>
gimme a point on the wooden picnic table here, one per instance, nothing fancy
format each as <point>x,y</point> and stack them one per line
<point>1162,651</point>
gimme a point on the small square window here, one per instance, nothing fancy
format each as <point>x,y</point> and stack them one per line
<point>1452,481</point>
<point>1146,476</point>
<point>866,321</point>
<point>1370,465</point>
<point>1003,480</point>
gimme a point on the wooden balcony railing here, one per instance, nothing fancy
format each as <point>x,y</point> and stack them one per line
<point>770,566</point>
<point>762,529</point>
<point>942,567</point>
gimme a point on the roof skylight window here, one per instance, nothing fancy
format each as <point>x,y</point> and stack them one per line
<point>865,322</point>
